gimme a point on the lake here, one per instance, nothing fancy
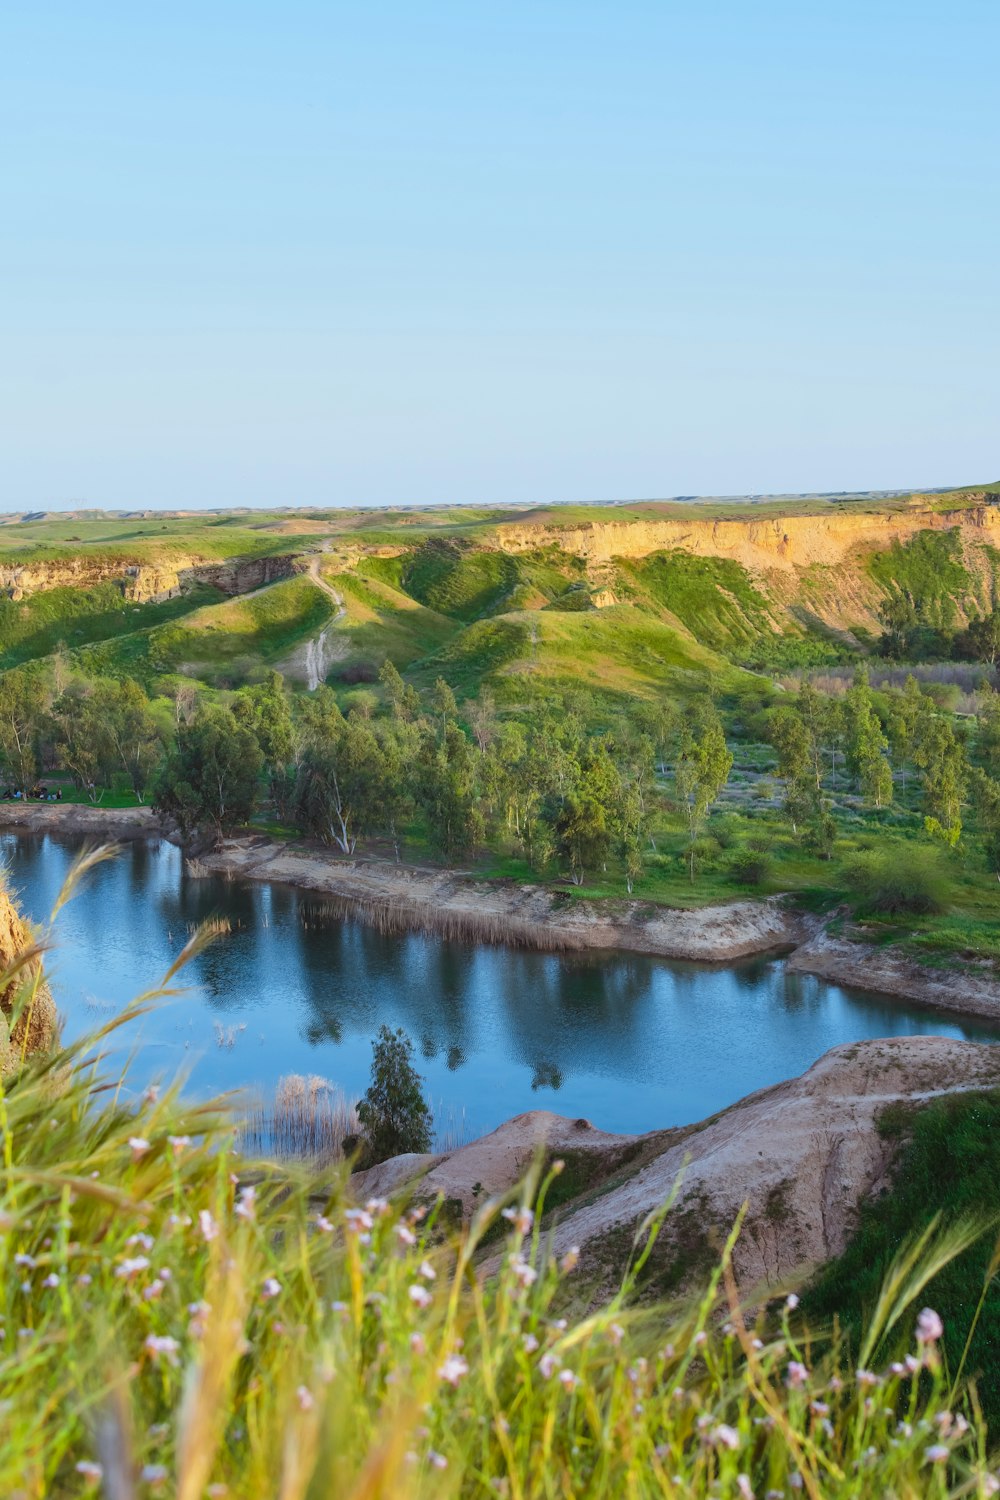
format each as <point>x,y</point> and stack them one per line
<point>632,1043</point>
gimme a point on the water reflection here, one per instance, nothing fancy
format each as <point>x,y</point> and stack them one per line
<point>628,1041</point>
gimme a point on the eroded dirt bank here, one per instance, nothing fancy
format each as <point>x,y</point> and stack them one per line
<point>802,1155</point>
<point>403,898</point>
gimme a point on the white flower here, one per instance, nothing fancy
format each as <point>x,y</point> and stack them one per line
<point>427,1271</point>
<point>304,1397</point>
<point>323,1224</point>
<point>24,1260</point>
<point>405,1234</point>
<point>207,1225</point>
<point>522,1218</point>
<point>91,1472</point>
<point>797,1373</point>
<point>529,1343</point>
<point>523,1273</point>
<point>937,1453</point>
<point>154,1474</point>
<point>131,1267</point>
<point>438,1460</point>
<point>157,1345</point>
<point>420,1295</point>
<point>726,1436</point>
<point>548,1365</point>
<point>138,1146</point>
<point>417,1343</point>
<point>51,1280</point>
<point>792,1301</point>
<point>216,1491</point>
<point>178,1143</point>
<point>570,1260</point>
<point>567,1379</point>
<point>271,1288</point>
<point>377,1207</point>
<point>616,1333</point>
<point>245,1207</point>
<point>358,1219</point>
<point>744,1486</point>
<point>453,1369</point>
<point>929,1326</point>
<point>145,1240</point>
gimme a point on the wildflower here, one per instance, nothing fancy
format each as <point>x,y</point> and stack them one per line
<point>865,1377</point>
<point>207,1226</point>
<point>358,1219</point>
<point>418,1343</point>
<point>929,1327</point>
<point>157,1345</point>
<point>377,1207</point>
<point>437,1460</point>
<point>245,1207</point>
<point>522,1218</point>
<point>791,1301</point>
<point>937,1453</point>
<point>700,1338</point>
<point>420,1295</point>
<point>138,1146</point>
<point>51,1281</point>
<point>453,1369</point>
<point>84,1279</point>
<point>523,1273</point>
<point>131,1267</point>
<point>725,1436</point>
<point>427,1271</point>
<point>548,1365</point>
<point>271,1288</point>
<point>178,1143</point>
<point>216,1491</point>
<point>304,1397</point>
<point>744,1487</point>
<point>152,1094</point>
<point>198,1313</point>
<point>570,1260</point>
<point>154,1475</point>
<point>529,1343</point>
<point>405,1234</point>
<point>145,1240</point>
<point>567,1379</point>
<point>616,1333</point>
<point>323,1224</point>
<point>912,1364</point>
<point>91,1472</point>
<point>22,1259</point>
<point>797,1374</point>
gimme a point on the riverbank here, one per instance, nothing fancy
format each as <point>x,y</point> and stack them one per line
<point>404,898</point>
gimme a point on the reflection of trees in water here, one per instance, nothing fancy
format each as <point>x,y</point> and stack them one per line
<point>546,1076</point>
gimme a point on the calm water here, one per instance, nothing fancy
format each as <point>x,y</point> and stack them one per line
<point>630,1042</point>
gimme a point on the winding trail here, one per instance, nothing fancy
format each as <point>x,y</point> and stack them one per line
<point>318,660</point>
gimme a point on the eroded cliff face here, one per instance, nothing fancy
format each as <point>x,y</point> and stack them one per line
<point>146,583</point>
<point>763,546</point>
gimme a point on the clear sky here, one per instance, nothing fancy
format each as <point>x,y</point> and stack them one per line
<point>539,250</point>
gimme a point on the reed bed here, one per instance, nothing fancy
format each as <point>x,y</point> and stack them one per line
<point>308,1119</point>
<point>492,929</point>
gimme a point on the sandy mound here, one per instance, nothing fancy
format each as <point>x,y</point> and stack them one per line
<point>37,1019</point>
<point>802,1155</point>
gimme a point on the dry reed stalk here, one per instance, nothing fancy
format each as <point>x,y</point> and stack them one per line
<point>310,1117</point>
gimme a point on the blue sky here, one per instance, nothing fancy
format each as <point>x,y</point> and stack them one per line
<point>308,253</point>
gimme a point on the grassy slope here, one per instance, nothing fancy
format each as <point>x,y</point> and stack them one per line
<point>382,621</point>
<point>34,626</point>
<point>219,643</point>
<point>950,1164</point>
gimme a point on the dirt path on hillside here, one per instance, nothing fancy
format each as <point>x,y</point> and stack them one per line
<point>310,662</point>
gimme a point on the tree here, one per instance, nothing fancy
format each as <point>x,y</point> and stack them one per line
<point>940,759</point>
<point>209,779</point>
<point>795,748</point>
<point>445,790</point>
<point>583,834</point>
<point>394,1112</point>
<point>22,707</point>
<point>983,637</point>
<point>443,703</point>
<point>341,782</point>
<point>867,743</point>
<point>702,770</point>
<point>265,711</point>
<point>83,743</point>
<point>483,720</point>
<point>133,740</point>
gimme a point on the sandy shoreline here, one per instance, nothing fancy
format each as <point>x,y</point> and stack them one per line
<point>403,898</point>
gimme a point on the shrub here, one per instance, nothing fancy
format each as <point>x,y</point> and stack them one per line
<point>750,866</point>
<point>894,883</point>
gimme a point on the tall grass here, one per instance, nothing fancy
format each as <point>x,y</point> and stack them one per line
<point>169,1328</point>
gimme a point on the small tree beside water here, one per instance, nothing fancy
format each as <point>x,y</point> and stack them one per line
<point>394,1113</point>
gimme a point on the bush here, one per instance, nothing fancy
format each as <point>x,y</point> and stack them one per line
<point>750,867</point>
<point>895,883</point>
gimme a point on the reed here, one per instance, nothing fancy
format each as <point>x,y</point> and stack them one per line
<point>308,1118</point>
<point>491,929</point>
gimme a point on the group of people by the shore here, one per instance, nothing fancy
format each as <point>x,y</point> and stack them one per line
<point>37,794</point>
